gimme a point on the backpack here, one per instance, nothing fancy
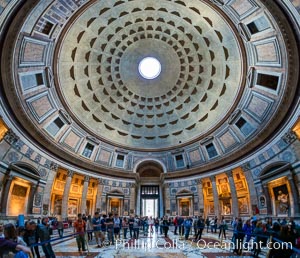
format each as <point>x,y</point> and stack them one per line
<point>21,254</point>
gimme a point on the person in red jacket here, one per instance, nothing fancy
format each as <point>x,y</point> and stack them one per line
<point>79,228</point>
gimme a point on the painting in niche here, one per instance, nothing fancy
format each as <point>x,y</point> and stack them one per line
<point>114,207</point>
<point>240,185</point>
<point>73,207</point>
<point>226,207</point>
<point>17,202</point>
<point>57,205</point>
<point>243,205</point>
<point>185,211</point>
<point>282,203</point>
<point>209,191</point>
<point>211,208</point>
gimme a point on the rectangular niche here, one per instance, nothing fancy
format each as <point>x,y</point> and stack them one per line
<point>242,8</point>
<point>33,52</point>
<point>32,80</point>
<point>41,106</point>
<point>258,106</point>
<point>104,156</point>
<point>227,139</point>
<point>268,81</point>
<point>267,52</point>
<point>72,139</point>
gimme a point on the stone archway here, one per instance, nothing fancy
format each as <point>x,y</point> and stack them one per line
<point>150,188</point>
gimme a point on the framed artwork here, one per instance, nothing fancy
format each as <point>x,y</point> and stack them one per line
<point>240,185</point>
<point>59,185</point>
<point>211,208</point>
<point>243,205</point>
<point>222,180</point>
<point>90,191</point>
<point>73,207</point>
<point>75,188</point>
<point>209,191</point>
<point>57,205</point>
<point>226,207</point>
<point>223,188</point>
<point>185,208</point>
<point>282,202</point>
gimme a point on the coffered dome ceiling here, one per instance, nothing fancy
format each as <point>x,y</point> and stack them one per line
<point>229,74</point>
<point>99,81</point>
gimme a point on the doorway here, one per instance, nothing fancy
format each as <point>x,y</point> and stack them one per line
<point>150,207</point>
<point>150,200</point>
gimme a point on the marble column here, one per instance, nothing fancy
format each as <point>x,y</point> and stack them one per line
<point>251,187</point>
<point>5,194</point>
<point>268,199</point>
<point>32,192</point>
<point>294,193</point>
<point>138,200</point>
<point>84,195</point>
<point>133,198</point>
<point>65,199</point>
<point>161,201</point>
<point>234,199</point>
<point>48,189</point>
<point>99,195</point>
<point>216,196</point>
<point>200,195</point>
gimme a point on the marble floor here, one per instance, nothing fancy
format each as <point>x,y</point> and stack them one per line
<point>151,246</point>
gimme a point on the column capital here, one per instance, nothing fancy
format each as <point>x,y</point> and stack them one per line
<point>229,173</point>
<point>246,166</point>
<point>212,178</point>
<point>289,137</point>
<point>53,166</point>
<point>100,181</point>
<point>87,178</point>
<point>70,173</point>
<point>199,181</point>
<point>11,137</point>
<point>132,185</point>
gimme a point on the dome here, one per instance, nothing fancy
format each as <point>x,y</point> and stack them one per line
<point>225,81</point>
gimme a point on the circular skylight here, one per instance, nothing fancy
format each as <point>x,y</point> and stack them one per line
<point>149,68</point>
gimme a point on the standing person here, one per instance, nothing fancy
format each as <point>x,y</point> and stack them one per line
<point>180,221</point>
<point>125,226</point>
<point>200,227</point>
<point>166,225</point>
<point>151,223</point>
<point>89,228</point>
<point>207,224</point>
<point>215,224</point>
<point>103,228</point>
<point>175,222</point>
<point>258,238</point>
<point>130,222</point>
<point>110,228</point>
<point>156,224</point>
<point>44,235</point>
<point>31,237</point>
<point>238,237</point>
<point>136,227</point>
<point>248,232</point>
<point>96,221</point>
<point>117,226</point>
<point>187,227</point>
<point>60,228</point>
<point>223,226</point>
<point>79,228</point>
